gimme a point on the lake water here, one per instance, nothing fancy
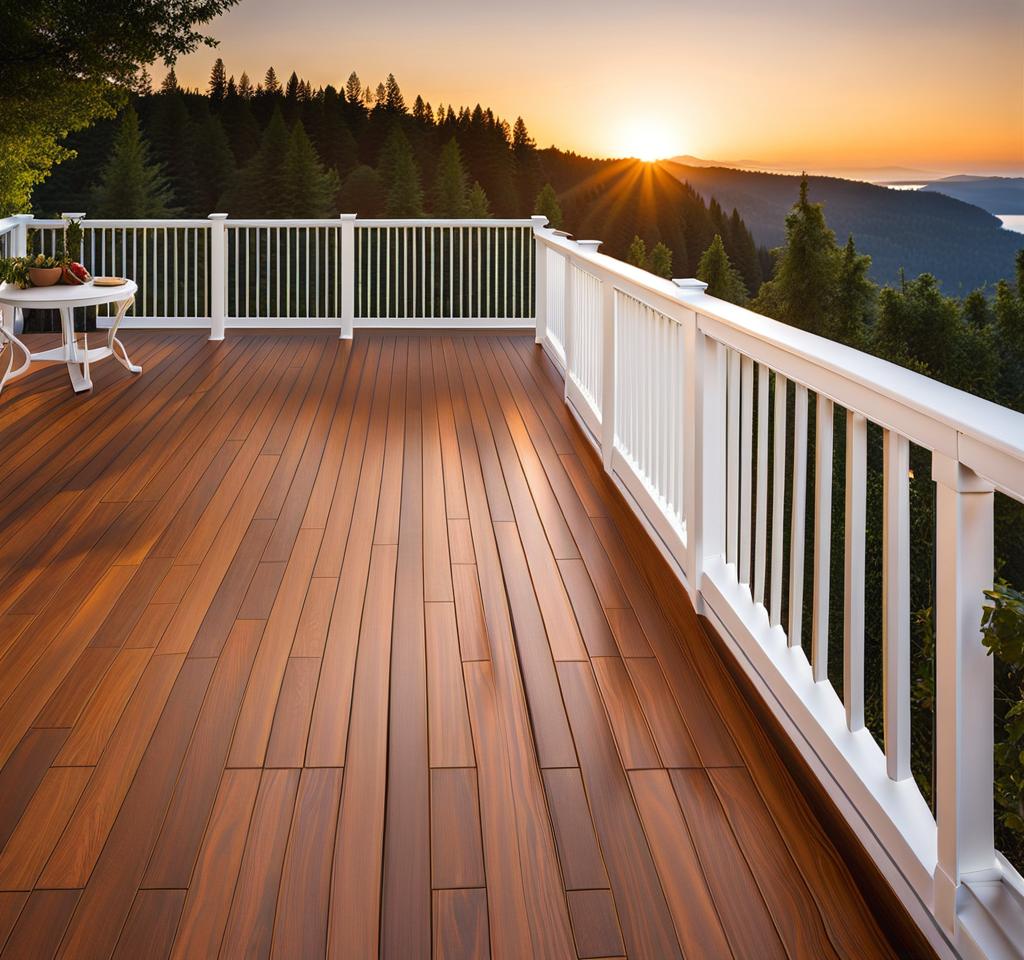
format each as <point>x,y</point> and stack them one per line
<point>1014,222</point>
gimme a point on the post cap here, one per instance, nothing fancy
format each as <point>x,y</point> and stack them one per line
<point>539,220</point>
<point>590,245</point>
<point>347,216</point>
<point>690,285</point>
<point>218,216</point>
<point>72,216</point>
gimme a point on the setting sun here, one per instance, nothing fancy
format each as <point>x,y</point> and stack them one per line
<point>647,139</point>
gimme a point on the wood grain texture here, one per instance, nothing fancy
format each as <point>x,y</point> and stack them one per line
<point>317,648</point>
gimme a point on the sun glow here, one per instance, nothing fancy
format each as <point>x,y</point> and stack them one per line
<point>647,139</point>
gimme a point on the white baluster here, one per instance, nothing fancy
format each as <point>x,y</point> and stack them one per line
<point>796,540</point>
<point>822,536</point>
<point>853,614</point>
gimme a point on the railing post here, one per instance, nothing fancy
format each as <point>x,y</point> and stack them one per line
<point>19,248</point>
<point>964,684</point>
<point>348,274</point>
<point>540,293</point>
<point>568,321</point>
<point>607,371</point>
<point>21,234</point>
<point>703,382</point>
<point>218,274</point>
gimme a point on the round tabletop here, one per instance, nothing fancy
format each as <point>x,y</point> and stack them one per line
<point>65,295</point>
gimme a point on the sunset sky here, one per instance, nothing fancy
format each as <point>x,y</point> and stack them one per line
<point>927,84</point>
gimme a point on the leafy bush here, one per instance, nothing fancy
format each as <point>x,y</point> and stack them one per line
<point>1003,636</point>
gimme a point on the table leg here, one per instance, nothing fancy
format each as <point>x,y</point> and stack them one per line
<point>113,343</point>
<point>77,371</point>
<point>10,340</point>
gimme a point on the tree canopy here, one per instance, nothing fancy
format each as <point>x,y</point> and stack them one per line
<point>62,72</point>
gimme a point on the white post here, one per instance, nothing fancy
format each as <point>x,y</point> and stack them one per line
<point>21,234</point>
<point>964,686</point>
<point>19,248</point>
<point>540,304</point>
<point>607,371</point>
<point>348,274</point>
<point>568,322</point>
<point>218,274</point>
<point>694,384</point>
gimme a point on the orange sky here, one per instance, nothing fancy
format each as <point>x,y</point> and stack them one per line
<point>933,85</point>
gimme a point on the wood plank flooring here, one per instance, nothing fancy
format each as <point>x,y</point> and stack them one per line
<point>315,648</point>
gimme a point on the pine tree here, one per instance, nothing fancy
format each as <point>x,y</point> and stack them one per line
<point>393,99</point>
<point>803,289</point>
<point>546,204</point>
<point>131,185</point>
<point>522,142</point>
<point>271,86</point>
<point>218,87</point>
<point>308,189</point>
<point>291,88</point>
<point>368,97</point>
<point>259,190</point>
<point>212,154</point>
<point>244,86</point>
<point>449,196</point>
<point>232,90</point>
<point>419,109</point>
<point>743,253</point>
<point>170,84</point>
<point>171,130</point>
<point>478,206</point>
<point>353,88</point>
<point>380,95</point>
<point>856,296</point>
<point>144,83</point>
<point>362,192</point>
<point>637,253</point>
<point>661,261</point>
<point>722,278</point>
<point>401,177</point>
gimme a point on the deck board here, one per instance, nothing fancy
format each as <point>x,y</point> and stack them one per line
<point>324,648</point>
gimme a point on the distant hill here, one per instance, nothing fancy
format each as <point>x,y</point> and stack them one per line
<point>999,195</point>
<point>920,231</point>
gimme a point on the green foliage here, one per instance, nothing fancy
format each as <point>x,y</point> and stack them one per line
<point>722,278</point>
<point>637,252</point>
<point>131,185</point>
<point>218,81</point>
<point>362,192</point>
<point>401,176</point>
<point>547,205</point>
<point>661,261</point>
<point>478,206</point>
<point>802,290</point>
<point>450,199</point>
<point>62,71</point>
<point>308,190</point>
<point>1003,636</point>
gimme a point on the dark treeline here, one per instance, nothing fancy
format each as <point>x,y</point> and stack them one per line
<point>268,149</point>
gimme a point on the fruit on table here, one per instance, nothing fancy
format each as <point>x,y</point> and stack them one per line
<point>76,273</point>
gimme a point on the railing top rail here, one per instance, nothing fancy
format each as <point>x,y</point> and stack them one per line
<point>994,426</point>
<point>107,224</point>
<point>432,222</point>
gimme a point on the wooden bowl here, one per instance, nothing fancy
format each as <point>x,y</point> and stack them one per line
<point>44,276</point>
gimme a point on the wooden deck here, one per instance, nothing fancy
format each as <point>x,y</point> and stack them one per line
<point>316,647</point>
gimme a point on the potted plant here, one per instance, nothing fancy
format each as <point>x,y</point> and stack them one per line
<point>37,270</point>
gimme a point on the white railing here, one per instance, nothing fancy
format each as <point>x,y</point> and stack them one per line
<point>705,413</point>
<point>218,273</point>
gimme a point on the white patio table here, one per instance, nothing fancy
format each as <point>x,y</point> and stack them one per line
<point>65,298</point>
